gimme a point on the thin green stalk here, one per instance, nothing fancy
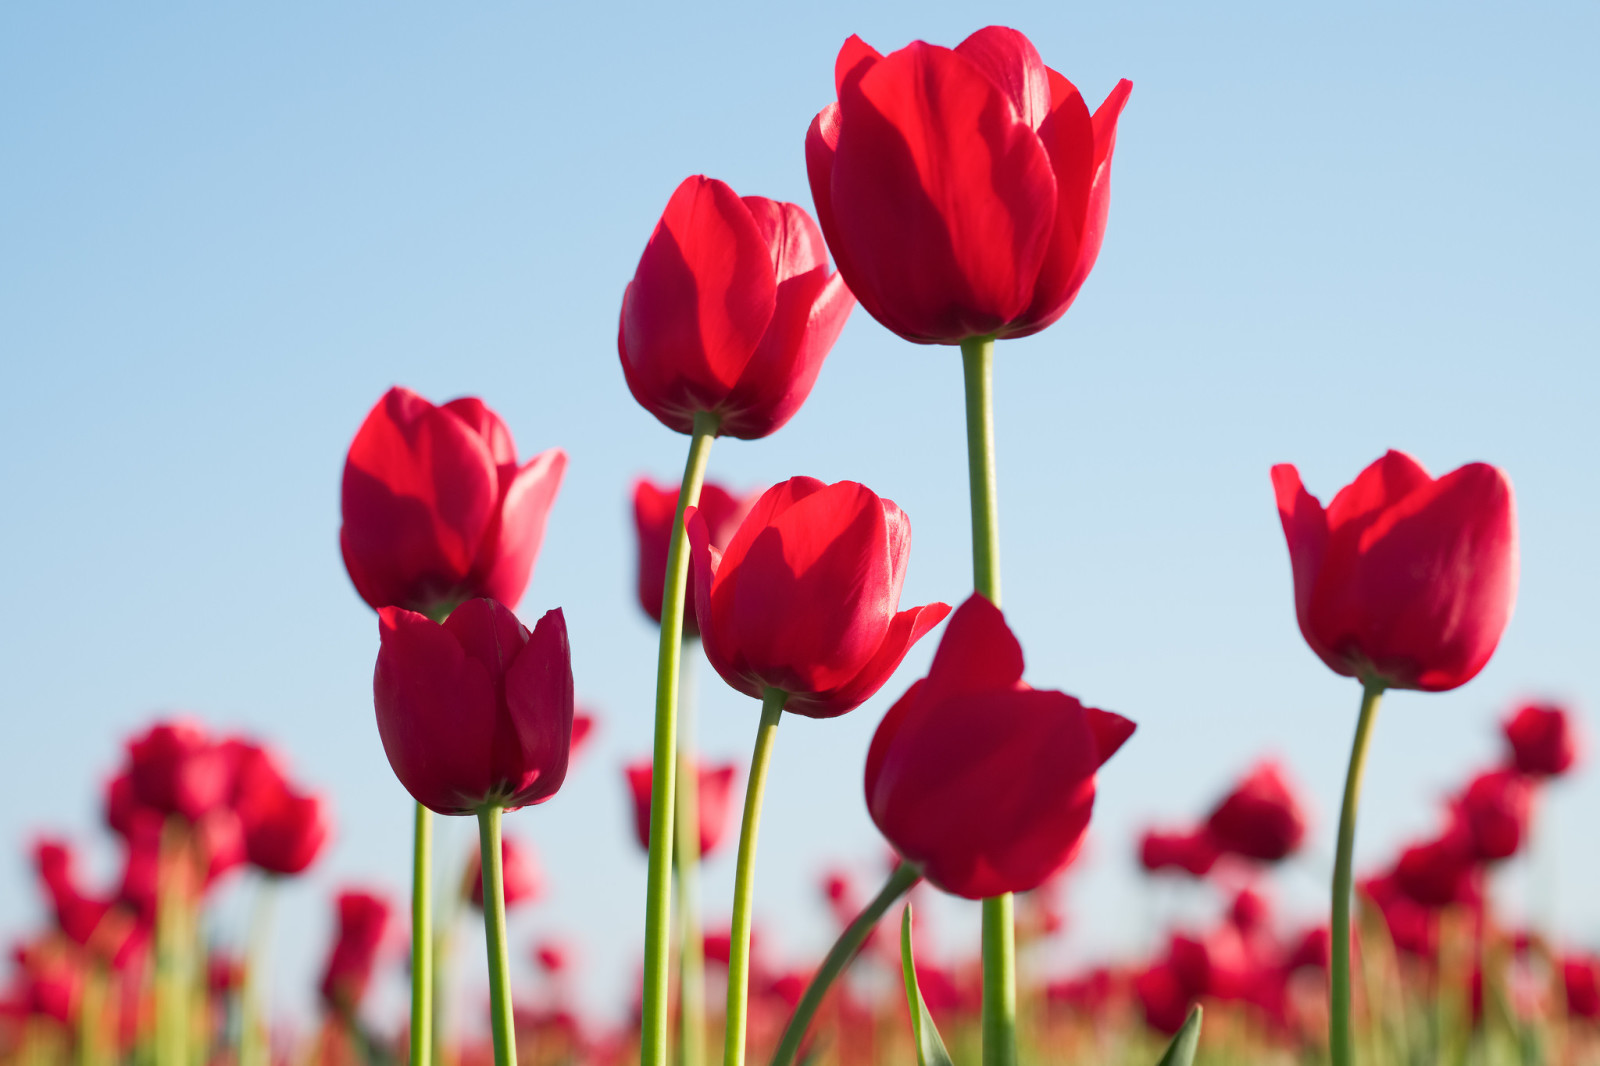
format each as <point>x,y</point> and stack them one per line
<point>999,1022</point>
<point>744,880</point>
<point>92,1049</point>
<point>658,886</point>
<point>494,936</point>
<point>691,943</point>
<point>253,1013</point>
<point>1339,1031</point>
<point>844,949</point>
<point>173,962</point>
<point>444,950</point>
<point>422,937</point>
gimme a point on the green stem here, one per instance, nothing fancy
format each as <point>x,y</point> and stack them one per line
<point>1339,1033</point>
<point>494,936</point>
<point>999,926</point>
<point>744,876</point>
<point>658,886</point>
<point>691,944</point>
<point>253,1015</point>
<point>421,936</point>
<point>844,949</point>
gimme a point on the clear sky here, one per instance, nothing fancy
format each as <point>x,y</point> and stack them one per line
<point>224,232</point>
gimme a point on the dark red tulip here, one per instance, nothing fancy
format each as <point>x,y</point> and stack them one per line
<point>985,783</point>
<point>1495,810</point>
<point>219,843</point>
<point>963,191</point>
<point>476,711</point>
<point>121,803</point>
<point>175,768</point>
<point>1192,851</point>
<point>1442,871</point>
<point>1250,913</point>
<point>805,597</point>
<point>363,926</point>
<point>141,864</point>
<point>1413,927</point>
<point>731,311</point>
<point>518,868</point>
<point>78,914</point>
<point>1580,975</point>
<point>654,507</point>
<point>1162,998</point>
<point>553,956</point>
<point>715,801</point>
<point>1261,818</point>
<point>1543,739</point>
<point>436,508</point>
<point>286,836</point>
<point>1312,950</point>
<point>1403,579</point>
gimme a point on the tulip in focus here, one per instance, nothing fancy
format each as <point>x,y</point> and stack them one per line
<point>715,802</point>
<point>804,600</point>
<point>1261,818</point>
<point>653,509</point>
<point>475,712</point>
<point>437,509</point>
<point>730,313</point>
<point>963,191</point>
<point>984,782</point>
<point>1543,740</point>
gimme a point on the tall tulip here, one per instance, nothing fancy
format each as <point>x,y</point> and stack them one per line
<point>801,612</point>
<point>476,718</point>
<point>1402,581</point>
<point>723,329</point>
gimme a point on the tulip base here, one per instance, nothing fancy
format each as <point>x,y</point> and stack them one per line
<point>1339,1029</point>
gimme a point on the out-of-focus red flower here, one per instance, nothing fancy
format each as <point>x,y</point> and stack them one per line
<point>805,597</point>
<point>963,191</point>
<point>141,865</point>
<point>985,783</point>
<point>1442,871</point>
<point>1403,578</point>
<point>731,311</point>
<point>121,803</point>
<point>1413,927</point>
<point>51,981</point>
<point>224,974</point>
<point>1580,973</point>
<point>654,507</point>
<point>1192,851</point>
<point>554,957</point>
<point>1251,912</point>
<point>363,925</point>
<point>1495,809</point>
<point>1214,965</point>
<point>1312,950</point>
<point>1089,993</point>
<point>715,801</point>
<point>1543,739</point>
<point>1162,998</point>
<point>436,508</point>
<point>1262,818</point>
<point>518,870</point>
<point>477,710</point>
<point>175,768</point>
<point>286,837</point>
<point>219,843</point>
<point>77,914</point>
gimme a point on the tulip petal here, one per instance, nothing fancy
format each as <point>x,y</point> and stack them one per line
<point>1012,62</point>
<point>908,627</point>
<point>704,563</point>
<point>977,652</point>
<point>1305,527</point>
<point>943,196</point>
<point>855,58</point>
<point>1110,730</point>
<point>436,712</point>
<point>792,239</point>
<point>539,699</point>
<point>488,426</point>
<point>511,546</point>
<point>1382,485</point>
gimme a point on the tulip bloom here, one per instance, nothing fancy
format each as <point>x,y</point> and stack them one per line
<point>1495,809</point>
<point>804,599</point>
<point>730,313</point>
<point>963,191</point>
<point>715,801</point>
<point>1193,851</point>
<point>175,768</point>
<point>985,783</point>
<point>476,712</point>
<point>1403,579</point>
<point>363,925</point>
<point>523,882</point>
<point>436,508</point>
<point>654,507</point>
<point>1543,740</point>
<point>1261,818</point>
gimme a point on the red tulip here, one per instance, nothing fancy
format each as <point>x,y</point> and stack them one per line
<point>1403,579</point>
<point>654,507</point>
<point>1414,928</point>
<point>553,956</point>
<point>476,711</point>
<point>804,598</point>
<point>363,925</point>
<point>583,727</point>
<point>1312,950</point>
<point>1543,740</point>
<point>1495,809</point>
<point>1581,976</point>
<point>174,768</point>
<point>985,783</point>
<point>1162,998</point>
<point>1194,851</point>
<point>523,883</point>
<point>286,837</point>
<point>731,311</point>
<point>1250,913</point>
<point>1261,818</point>
<point>78,915</point>
<point>963,191</point>
<point>1442,871</point>
<point>715,801</point>
<point>436,509</point>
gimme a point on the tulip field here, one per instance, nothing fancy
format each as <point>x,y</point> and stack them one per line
<point>961,200</point>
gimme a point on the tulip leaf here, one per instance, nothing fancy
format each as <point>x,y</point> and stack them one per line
<point>1181,1051</point>
<point>930,1047</point>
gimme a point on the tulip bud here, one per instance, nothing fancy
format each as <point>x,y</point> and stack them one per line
<point>731,311</point>
<point>437,510</point>
<point>476,711</point>
<point>985,783</point>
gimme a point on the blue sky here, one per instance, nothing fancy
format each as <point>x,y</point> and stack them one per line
<point>224,232</point>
